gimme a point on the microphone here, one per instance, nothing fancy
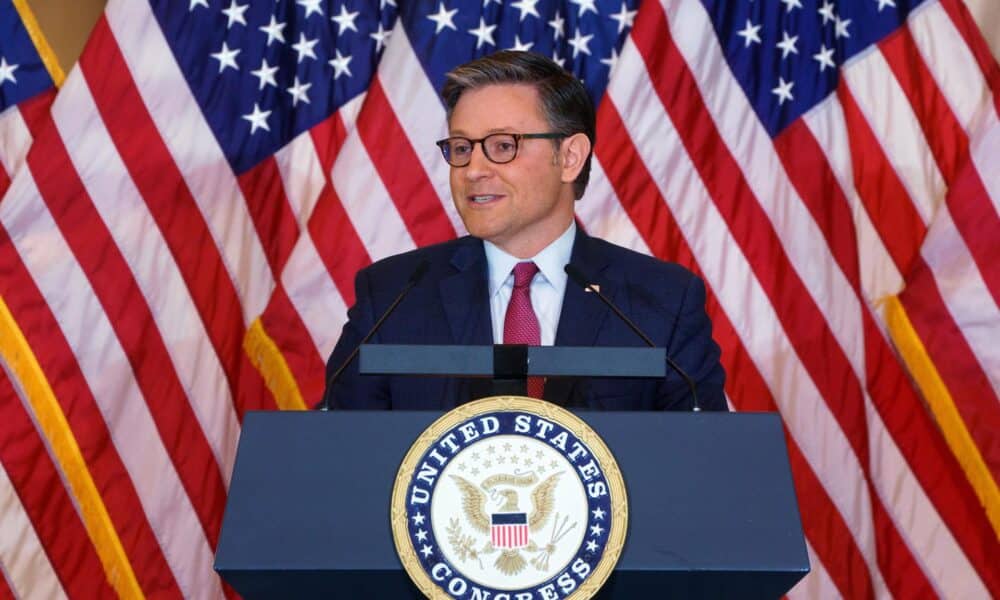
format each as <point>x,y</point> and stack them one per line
<point>583,281</point>
<point>415,277</point>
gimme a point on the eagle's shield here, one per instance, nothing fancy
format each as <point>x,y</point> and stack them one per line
<point>509,530</point>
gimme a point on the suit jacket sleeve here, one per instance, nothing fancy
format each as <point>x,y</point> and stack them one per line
<point>693,349</point>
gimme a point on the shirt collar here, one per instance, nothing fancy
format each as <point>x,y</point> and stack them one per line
<point>551,261</point>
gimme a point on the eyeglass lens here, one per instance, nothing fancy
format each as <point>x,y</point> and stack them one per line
<point>498,148</point>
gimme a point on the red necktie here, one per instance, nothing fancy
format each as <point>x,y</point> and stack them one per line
<point>520,326</point>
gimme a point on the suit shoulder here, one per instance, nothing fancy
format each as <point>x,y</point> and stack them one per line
<point>397,268</point>
<point>637,264</point>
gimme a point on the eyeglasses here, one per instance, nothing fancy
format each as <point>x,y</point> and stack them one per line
<point>498,148</point>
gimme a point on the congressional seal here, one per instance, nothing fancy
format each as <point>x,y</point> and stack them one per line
<point>509,498</point>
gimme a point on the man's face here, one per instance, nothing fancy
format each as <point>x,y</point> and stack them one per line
<point>520,206</point>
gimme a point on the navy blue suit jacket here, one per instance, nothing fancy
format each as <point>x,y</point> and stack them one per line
<point>450,305</point>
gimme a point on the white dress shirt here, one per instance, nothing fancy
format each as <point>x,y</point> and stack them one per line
<point>547,288</point>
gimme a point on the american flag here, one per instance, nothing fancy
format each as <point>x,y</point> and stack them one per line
<point>180,244</point>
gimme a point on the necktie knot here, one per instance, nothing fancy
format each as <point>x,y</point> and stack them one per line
<point>524,272</point>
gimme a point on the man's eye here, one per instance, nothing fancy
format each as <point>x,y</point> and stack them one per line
<point>504,146</point>
<point>461,149</point>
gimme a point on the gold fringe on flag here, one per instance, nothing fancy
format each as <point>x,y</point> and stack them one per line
<point>939,399</point>
<point>41,44</point>
<point>267,359</point>
<point>52,421</point>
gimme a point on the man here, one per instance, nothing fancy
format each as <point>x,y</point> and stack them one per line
<point>521,135</point>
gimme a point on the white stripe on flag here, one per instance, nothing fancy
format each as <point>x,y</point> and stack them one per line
<point>302,176</point>
<point>879,275</point>
<point>888,112</point>
<point>314,296</point>
<point>963,85</point>
<point>602,214</point>
<point>367,202</point>
<point>965,294</point>
<point>14,140</point>
<point>420,113</point>
<point>25,564</point>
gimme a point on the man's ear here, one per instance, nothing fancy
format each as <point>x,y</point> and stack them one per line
<point>574,150</point>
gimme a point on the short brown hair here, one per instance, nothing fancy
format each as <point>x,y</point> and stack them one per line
<point>565,102</point>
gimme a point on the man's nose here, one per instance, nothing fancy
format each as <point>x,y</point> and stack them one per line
<point>479,166</point>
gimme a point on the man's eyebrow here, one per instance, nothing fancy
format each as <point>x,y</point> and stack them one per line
<point>461,133</point>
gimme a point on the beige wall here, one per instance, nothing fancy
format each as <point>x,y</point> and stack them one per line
<point>66,25</point>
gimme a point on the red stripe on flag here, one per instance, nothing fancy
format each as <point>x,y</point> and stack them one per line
<point>130,317</point>
<point>887,202</point>
<point>967,198</point>
<point>4,182</point>
<point>817,186</point>
<point>35,109</point>
<point>272,215</point>
<point>824,526</point>
<point>335,238</point>
<point>801,319</point>
<point>410,188</point>
<point>69,386</point>
<point>285,327</point>
<point>174,209</point>
<point>53,515</point>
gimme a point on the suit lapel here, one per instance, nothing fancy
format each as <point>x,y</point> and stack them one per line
<point>465,296</point>
<point>582,313</point>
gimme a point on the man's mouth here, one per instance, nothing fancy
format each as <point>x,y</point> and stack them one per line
<point>484,198</point>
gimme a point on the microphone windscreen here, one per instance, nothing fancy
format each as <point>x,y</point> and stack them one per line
<point>576,275</point>
<point>419,272</point>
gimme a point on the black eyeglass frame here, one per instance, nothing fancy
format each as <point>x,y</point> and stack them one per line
<point>517,145</point>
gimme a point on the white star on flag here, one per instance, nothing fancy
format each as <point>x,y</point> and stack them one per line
<point>826,11</point>
<point>274,31</point>
<point>195,3</point>
<point>345,20</point>
<point>585,5</point>
<point>580,43</point>
<point>787,44</point>
<point>311,6</point>
<point>339,65</point>
<point>558,25</point>
<point>226,57</point>
<point>750,34</point>
<point>298,92</point>
<point>519,46</point>
<point>526,7</point>
<point>258,119</point>
<point>883,3</point>
<point>825,58</point>
<point>784,90</point>
<point>840,27</point>
<point>381,37</point>
<point>444,18</point>
<point>265,74</point>
<point>483,33</point>
<point>305,47</point>
<point>790,4</point>
<point>624,18</point>
<point>235,14</point>
<point>7,71</point>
